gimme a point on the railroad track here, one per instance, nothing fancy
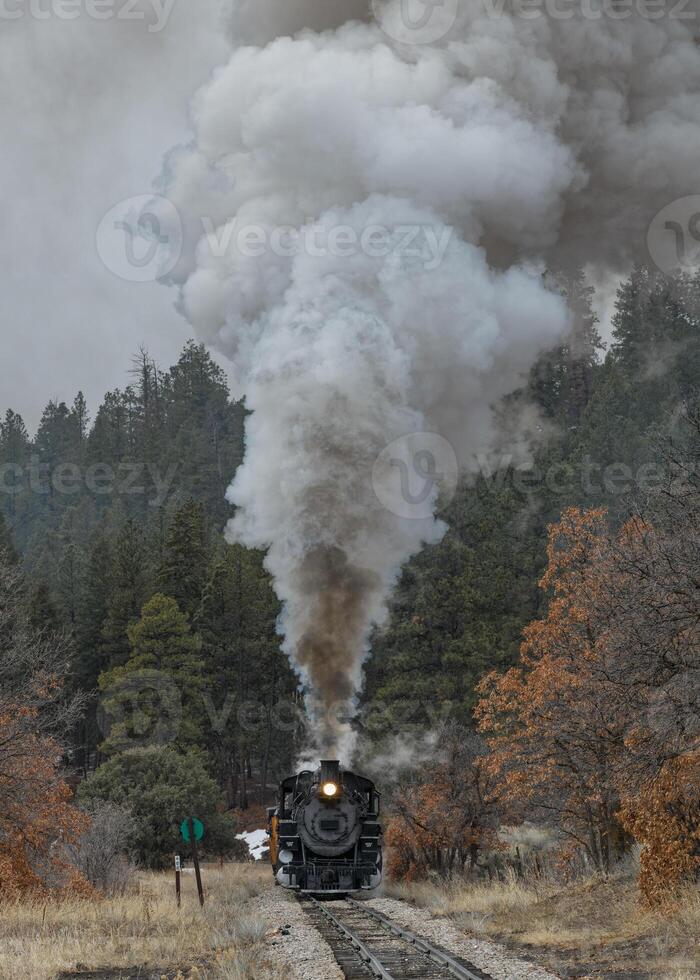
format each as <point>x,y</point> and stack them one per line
<point>368,944</point>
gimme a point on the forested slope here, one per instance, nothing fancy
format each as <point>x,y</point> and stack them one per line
<point>118,520</point>
<point>115,513</point>
<point>608,420</point>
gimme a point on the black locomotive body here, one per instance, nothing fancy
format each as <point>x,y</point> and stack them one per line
<point>324,832</point>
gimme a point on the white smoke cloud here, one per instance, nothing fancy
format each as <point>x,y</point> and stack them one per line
<point>516,143</point>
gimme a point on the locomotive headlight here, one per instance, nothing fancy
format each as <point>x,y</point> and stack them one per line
<point>285,856</point>
<point>329,789</point>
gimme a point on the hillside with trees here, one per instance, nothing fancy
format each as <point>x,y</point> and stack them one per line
<point>551,636</point>
<point>118,522</point>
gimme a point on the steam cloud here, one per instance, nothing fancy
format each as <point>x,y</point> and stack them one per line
<point>514,143</point>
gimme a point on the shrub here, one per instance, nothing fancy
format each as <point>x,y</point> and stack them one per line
<point>161,788</point>
<point>102,853</point>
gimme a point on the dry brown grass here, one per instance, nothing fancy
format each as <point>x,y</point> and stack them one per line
<point>143,928</point>
<point>595,924</point>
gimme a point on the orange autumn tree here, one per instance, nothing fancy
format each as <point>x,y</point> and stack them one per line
<point>37,820</point>
<point>444,814</point>
<point>657,671</point>
<point>599,725</point>
<point>664,816</point>
<point>555,742</point>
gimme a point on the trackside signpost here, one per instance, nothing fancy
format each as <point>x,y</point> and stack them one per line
<point>178,869</point>
<point>192,830</point>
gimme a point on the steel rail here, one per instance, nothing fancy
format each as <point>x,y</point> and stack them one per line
<point>370,959</point>
<point>431,952</point>
<point>436,955</point>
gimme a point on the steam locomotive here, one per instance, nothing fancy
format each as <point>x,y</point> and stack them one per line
<point>324,832</point>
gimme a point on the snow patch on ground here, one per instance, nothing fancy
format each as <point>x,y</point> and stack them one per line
<point>257,843</point>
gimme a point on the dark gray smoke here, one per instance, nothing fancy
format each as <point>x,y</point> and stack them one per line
<point>504,146</point>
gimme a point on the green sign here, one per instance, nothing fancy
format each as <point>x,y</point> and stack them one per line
<point>198,829</point>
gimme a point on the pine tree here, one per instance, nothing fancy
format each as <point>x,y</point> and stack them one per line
<point>15,449</point>
<point>183,569</point>
<point>14,438</point>
<point>237,621</point>
<point>79,414</point>
<point>562,380</point>
<point>205,429</point>
<point>58,436</point>
<point>650,371</point>
<point>459,608</point>
<point>93,610</point>
<point>165,674</point>
<point>8,554</point>
<point>127,592</point>
<point>42,611</point>
<point>109,439</point>
<point>146,413</point>
<point>196,386</point>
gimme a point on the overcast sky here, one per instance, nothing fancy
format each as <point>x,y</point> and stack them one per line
<point>91,106</point>
<point>89,109</point>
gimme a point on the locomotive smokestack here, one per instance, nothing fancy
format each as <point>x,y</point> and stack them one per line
<point>330,779</point>
<point>330,772</point>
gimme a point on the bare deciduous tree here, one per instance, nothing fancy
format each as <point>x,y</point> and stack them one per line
<point>102,853</point>
<point>36,817</point>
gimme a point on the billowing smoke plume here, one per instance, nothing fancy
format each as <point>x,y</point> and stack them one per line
<point>377,216</point>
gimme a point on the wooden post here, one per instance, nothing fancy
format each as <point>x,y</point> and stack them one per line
<point>178,868</point>
<point>195,858</point>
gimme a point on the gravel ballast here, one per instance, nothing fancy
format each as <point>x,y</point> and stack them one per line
<point>298,952</point>
<point>493,959</point>
<point>294,947</point>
